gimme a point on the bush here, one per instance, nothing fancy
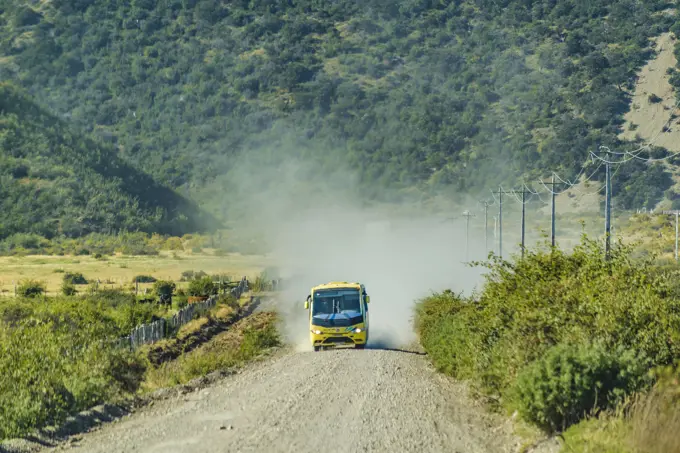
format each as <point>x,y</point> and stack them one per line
<point>68,288</point>
<point>180,300</point>
<point>74,278</point>
<point>203,286</point>
<point>192,275</point>
<point>528,306</point>
<point>144,279</point>
<point>47,384</point>
<point>570,381</point>
<point>164,289</point>
<point>31,288</point>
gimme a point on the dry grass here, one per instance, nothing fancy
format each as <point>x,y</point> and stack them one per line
<point>116,271</point>
<point>647,423</point>
<point>655,421</point>
<point>244,341</point>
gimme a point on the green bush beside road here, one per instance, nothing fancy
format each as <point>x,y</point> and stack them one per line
<point>557,336</point>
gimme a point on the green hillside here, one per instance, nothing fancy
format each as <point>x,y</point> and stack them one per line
<point>55,182</point>
<point>456,96</point>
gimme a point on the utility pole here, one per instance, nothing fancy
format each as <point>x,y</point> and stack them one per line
<point>675,212</point>
<point>607,205</point>
<point>467,215</point>
<point>552,185</point>
<point>500,212</point>
<point>552,212</point>
<point>486,227</point>
<point>500,221</point>
<point>523,213</point>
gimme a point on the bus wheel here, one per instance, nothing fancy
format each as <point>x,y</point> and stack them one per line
<point>360,346</point>
<point>316,348</point>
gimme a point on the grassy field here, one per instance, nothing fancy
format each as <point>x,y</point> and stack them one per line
<point>116,271</point>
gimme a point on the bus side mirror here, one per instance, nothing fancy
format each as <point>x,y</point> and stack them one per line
<point>306,305</point>
<point>368,299</point>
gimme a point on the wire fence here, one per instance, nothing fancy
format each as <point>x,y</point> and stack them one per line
<point>167,327</point>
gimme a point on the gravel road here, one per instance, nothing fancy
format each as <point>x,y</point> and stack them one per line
<point>328,401</point>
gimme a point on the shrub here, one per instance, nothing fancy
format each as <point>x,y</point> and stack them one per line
<point>144,279</point>
<point>229,300</point>
<point>31,288</point>
<point>192,275</point>
<point>74,278</point>
<point>203,286</point>
<point>48,384</point>
<point>173,243</point>
<point>164,289</point>
<point>550,297</point>
<point>570,381</point>
<point>654,99</point>
<point>180,300</point>
<point>68,288</point>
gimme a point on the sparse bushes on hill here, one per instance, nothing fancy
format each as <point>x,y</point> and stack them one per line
<point>536,319</point>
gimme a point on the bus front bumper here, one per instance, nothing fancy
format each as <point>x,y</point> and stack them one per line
<point>330,337</point>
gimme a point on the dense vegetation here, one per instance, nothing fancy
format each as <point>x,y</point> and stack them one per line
<point>56,183</point>
<point>61,355</point>
<point>558,336</point>
<point>56,357</point>
<point>434,94</point>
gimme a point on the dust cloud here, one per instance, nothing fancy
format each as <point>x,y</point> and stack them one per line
<point>320,229</point>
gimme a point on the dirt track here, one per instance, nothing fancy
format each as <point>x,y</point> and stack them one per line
<point>344,401</point>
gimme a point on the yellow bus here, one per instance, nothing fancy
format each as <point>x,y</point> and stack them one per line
<point>338,315</point>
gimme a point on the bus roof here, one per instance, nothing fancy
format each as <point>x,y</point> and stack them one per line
<point>337,285</point>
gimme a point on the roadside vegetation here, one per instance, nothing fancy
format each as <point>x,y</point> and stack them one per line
<point>60,355</point>
<point>575,343</point>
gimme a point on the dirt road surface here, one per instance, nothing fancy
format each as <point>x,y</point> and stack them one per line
<point>328,401</point>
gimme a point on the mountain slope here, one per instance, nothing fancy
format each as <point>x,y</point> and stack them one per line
<point>459,96</point>
<point>53,181</point>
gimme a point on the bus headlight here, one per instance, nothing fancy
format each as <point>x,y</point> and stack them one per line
<point>317,332</point>
<point>357,330</point>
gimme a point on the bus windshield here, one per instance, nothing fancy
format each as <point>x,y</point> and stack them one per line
<point>330,301</point>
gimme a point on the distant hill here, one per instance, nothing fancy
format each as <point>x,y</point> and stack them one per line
<point>431,95</point>
<point>55,182</point>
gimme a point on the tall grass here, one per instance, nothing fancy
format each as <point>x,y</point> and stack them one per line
<point>655,418</point>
